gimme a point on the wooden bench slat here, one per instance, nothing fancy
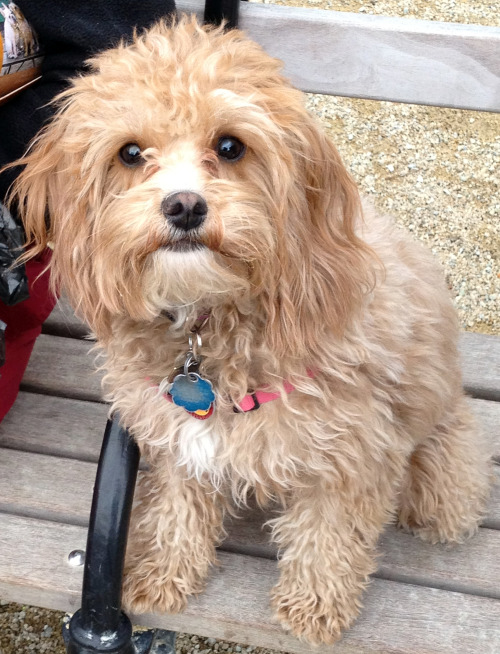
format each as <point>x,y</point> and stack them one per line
<point>63,366</point>
<point>32,479</point>
<point>481,364</point>
<point>378,57</point>
<point>472,567</point>
<point>235,606</point>
<point>394,618</point>
<point>488,417</point>
<point>74,428</point>
<point>63,322</point>
<point>46,487</point>
<point>33,562</point>
<point>54,425</point>
<point>51,488</point>
<point>250,536</point>
<point>492,519</point>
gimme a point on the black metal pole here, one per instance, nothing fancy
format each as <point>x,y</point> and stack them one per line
<point>100,625</point>
<point>218,10</point>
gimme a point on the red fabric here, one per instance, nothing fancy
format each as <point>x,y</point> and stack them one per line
<point>24,324</point>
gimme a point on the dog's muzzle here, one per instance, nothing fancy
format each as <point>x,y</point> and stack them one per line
<point>185,210</point>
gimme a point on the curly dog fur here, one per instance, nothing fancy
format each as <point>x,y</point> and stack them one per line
<point>303,283</point>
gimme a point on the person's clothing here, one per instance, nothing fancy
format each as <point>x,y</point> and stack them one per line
<point>24,324</point>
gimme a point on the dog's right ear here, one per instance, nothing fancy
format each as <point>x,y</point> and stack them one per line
<point>51,197</point>
<point>36,191</point>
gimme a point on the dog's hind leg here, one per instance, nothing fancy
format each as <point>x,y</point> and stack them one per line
<point>175,527</point>
<point>448,480</point>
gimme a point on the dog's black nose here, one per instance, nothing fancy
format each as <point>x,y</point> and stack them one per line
<point>184,209</point>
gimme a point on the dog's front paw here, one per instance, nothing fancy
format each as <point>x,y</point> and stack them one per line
<point>311,617</point>
<point>154,593</point>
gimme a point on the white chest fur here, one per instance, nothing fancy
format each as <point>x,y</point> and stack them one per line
<point>197,446</point>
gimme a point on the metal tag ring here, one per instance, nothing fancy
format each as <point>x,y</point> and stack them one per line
<point>195,345</point>
<point>190,360</point>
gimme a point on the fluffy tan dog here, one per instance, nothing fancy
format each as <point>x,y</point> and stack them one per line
<point>194,202</point>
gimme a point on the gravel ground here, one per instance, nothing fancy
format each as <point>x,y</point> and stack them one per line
<point>435,170</point>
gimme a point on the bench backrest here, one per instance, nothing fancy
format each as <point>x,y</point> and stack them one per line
<point>377,57</point>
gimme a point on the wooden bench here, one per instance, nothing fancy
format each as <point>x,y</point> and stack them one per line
<point>431,599</point>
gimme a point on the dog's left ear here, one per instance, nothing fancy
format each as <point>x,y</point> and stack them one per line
<point>325,269</point>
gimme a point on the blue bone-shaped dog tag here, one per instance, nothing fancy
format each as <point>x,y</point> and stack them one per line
<point>192,392</point>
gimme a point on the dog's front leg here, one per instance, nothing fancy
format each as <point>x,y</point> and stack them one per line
<point>176,525</point>
<point>327,538</point>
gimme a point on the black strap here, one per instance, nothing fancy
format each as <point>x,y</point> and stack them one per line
<point>218,10</point>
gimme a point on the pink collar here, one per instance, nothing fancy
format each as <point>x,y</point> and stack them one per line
<point>253,401</point>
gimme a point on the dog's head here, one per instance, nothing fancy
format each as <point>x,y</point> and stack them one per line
<point>183,170</point>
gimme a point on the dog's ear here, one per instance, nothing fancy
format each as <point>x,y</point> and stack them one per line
<point>325,270</point>
<point>51,197</point>
<point>35,189</point>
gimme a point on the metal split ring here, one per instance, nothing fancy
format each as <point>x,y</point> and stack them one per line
<point>190,360</point>
<point>195,344</point>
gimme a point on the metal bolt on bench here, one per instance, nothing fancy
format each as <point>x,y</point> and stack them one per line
<point>100,625</point>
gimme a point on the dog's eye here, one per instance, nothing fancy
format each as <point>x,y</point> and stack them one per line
<point>230,148</point>
<point>131,155</point>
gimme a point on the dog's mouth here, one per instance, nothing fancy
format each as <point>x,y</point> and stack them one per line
<point>184,245</point>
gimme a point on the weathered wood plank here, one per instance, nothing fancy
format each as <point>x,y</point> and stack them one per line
<point>249,536</point>
<point>46,487</point>
<point>46,483</point>
<point>488,417</point>
<point>54,425</point>
<point>395,619</point>
<point>50,488</point>
<point>481,364</point>
<point>462,568</point>
<point>235,606</point>
<point>74,428</point>
<point>63,322</point>
<point>492,519</point>
<point>378,57</point>
<point>33,562</point>
<point>64,367</point>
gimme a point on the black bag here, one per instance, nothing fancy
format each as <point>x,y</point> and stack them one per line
<point>13,280</point>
